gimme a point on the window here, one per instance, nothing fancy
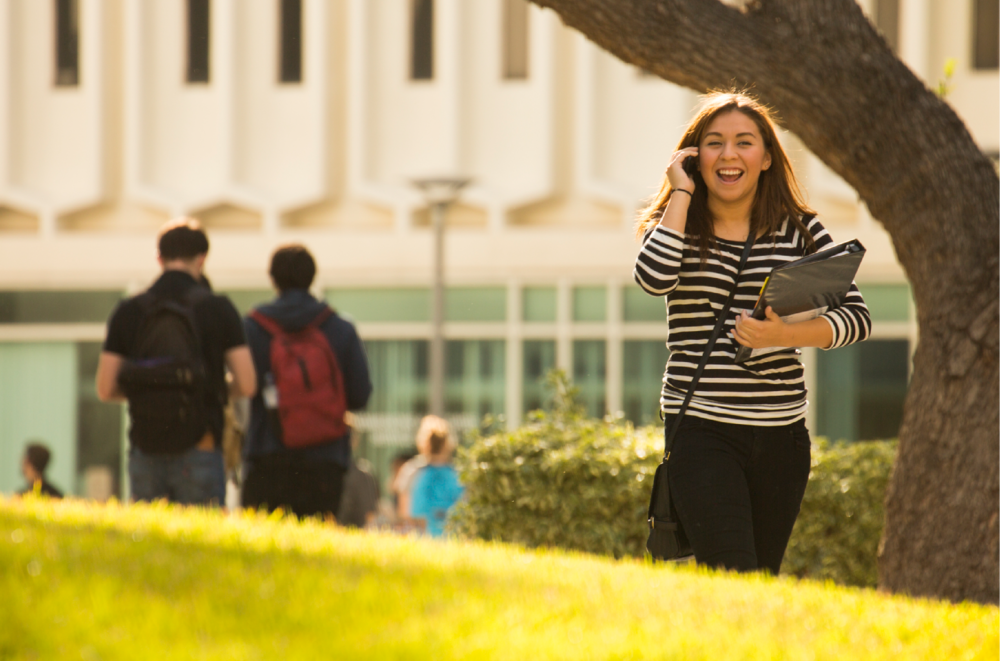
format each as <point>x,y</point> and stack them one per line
<point>643,364</point>
<point>589,303</point>
<point>985,36</point>
<point>589,375</point>
<point>887,21</point>
<point>474,377</point>
<point>422,36</point>
<point>538,304</point>
<point>860,390</point>
<point>399,372</point>
<point>515,39</point>
<point>539,357</point>
<point>370,304</point>
<point>198,46</point>
<point>67,43</point>
<point>290,42</point>
<point>475,304</point>
<point>637,305</point>
<point>55,307</point>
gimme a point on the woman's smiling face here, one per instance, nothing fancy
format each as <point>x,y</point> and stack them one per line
<point>731,157</point>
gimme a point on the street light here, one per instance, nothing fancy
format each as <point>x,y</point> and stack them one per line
<point>440,193</point>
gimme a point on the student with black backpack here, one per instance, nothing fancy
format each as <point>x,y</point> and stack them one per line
<point>167,352</point>
<point>311,369</point>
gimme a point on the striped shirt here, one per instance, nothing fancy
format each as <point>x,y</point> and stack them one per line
<point>766,391</point>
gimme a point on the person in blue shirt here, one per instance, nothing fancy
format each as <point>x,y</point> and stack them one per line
<point>436,488</point>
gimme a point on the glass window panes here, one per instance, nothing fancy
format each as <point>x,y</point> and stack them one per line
<point>590,303</point>
<point>99,432</point>
<point>887,20</point>
<point>887,302</point>
<point>50,307</point>
<point>474,377</point>
<point>199,39</point>
<point>38,400</point>
<point>67,43</point>
<point>589,372</point>
<point>475,304</point>
<point>246,300</point>
<point>637,305</point>
<point>539,357</point>
<point>515,39</point>
<point>861,389</point>
<point>368,304</point>
<point>643,365</point>
<point>399,376</point>
<point>290,41</point>
<point>986,37</point>
<point>422,40</point>
<point>539,304</point>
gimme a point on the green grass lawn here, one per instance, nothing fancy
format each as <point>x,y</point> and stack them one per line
<point>84,581</point>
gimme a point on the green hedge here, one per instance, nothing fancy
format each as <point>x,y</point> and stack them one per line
<point>563,480</point>
<point>839,527</point>
<point>567,481</point>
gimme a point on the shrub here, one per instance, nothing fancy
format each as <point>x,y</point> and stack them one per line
<point>837,533</point>
<point>563,481</point>
<point>567,481</point>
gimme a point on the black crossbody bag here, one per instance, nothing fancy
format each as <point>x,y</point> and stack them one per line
<point>667,539</point>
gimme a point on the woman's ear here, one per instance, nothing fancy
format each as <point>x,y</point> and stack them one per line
<point>766,164</point>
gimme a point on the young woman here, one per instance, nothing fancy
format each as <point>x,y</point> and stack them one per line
<point>740,460</point>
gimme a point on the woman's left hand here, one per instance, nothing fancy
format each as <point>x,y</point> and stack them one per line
<point>759,334</point>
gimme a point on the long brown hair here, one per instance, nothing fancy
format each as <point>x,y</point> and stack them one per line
<point>778,195</point>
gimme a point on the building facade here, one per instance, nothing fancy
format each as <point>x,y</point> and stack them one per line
<point>275,121</point>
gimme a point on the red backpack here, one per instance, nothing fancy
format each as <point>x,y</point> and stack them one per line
<point>311,396</point>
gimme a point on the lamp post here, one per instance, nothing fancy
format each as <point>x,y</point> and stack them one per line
<point>440,193</point>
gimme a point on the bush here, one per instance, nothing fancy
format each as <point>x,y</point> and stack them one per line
<point>837,533</point>
<point>561,481</point>
<point>567,481</point>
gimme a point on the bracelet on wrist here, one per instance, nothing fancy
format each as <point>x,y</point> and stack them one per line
<point>681,190</point>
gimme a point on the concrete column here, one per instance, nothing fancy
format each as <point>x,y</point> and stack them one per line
<point>914,32</point>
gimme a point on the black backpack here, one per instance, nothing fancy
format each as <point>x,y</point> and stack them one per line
<point>165,379</point>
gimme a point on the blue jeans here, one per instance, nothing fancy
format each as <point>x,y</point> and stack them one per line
<point>194,477</point>
<point>737,489</point>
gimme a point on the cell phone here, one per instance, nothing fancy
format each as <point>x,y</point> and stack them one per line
<point>691,165</point>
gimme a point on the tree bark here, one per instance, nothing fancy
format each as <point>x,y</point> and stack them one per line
<point>838,86</point>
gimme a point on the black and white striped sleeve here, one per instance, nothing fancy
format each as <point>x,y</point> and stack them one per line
<point>659,261</point>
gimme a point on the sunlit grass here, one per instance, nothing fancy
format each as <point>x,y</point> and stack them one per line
<point>79,580</point>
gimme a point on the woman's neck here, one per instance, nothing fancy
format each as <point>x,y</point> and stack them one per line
<point>730,221</point>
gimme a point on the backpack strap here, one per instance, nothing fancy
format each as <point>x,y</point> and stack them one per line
<point>151,302</point>
<point>273,328</point>
<point>267,323</point>
<point>324,314</point>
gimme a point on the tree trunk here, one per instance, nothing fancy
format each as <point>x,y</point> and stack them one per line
<point>837,85</point>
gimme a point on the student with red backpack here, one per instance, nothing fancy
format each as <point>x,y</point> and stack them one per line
<point>311,370</point>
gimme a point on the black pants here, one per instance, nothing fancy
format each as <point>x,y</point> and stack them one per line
<point>306,488</point>
<point>737,489</point>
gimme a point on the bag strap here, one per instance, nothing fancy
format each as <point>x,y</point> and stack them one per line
<point>719,324</point>
<point>270,325</point>
<point>274,329</point>
<point>321,317</point>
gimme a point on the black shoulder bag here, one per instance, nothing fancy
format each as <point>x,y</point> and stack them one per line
<point>667,539</point>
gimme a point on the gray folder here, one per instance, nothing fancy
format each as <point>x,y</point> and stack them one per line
<point>806,288</point>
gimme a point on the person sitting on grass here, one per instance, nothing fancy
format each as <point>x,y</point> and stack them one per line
<point>436,488</point>
<point>36,460</point>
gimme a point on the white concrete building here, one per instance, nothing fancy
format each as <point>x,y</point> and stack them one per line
<point>306,120</point>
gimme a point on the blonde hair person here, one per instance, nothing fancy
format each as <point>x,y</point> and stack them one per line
<point>740,458</point>
<point>434,431</point>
